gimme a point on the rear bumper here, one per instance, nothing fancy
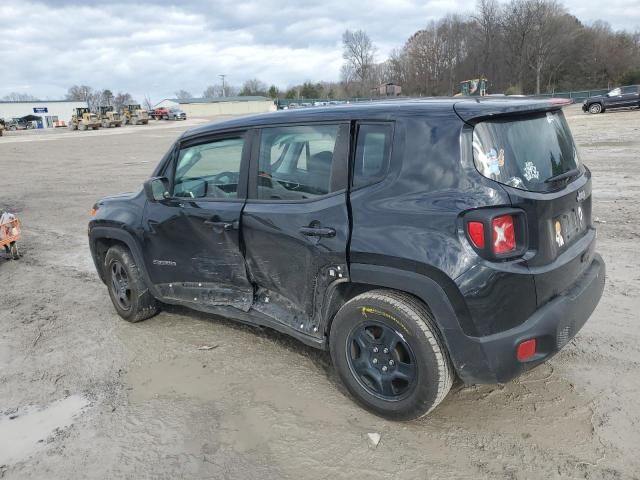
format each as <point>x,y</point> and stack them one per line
<point>492,359</point>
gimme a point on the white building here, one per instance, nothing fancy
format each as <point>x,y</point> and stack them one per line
<point>208,107</point>
<point>45,112</point>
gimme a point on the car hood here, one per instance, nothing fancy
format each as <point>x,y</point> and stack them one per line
<point>595,97</point>
<point>118,197</point>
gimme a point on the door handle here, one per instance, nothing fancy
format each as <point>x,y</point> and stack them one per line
<point>318,231</point>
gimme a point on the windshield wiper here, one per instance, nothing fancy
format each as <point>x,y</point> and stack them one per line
<point>574,172</point>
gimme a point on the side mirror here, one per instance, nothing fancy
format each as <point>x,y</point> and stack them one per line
<point>156,189</point>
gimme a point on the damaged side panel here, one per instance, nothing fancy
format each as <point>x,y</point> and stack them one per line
<point>291,269</point>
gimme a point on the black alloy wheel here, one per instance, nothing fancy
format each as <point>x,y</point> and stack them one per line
<point>381,360</point>
<point>120,285</point>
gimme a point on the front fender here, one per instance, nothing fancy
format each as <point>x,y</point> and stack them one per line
<point>97,233</point>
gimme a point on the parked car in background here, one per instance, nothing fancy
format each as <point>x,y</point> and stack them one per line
<point>176,114</point>
<point>416,241</point>
<point>18,124</point>
<point>621,97</point>
<point>168,113</point>
<point>160,113</point>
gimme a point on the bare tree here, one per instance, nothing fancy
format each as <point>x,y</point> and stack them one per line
<point>107,97</point>
<point>79,93</point>
<point>213,91</point>
<point>488,37</point>
<point>358,51</point>
<point>183,95</point>
<point>147,104</point>
<point>122,99</point>
<point>252,87</point>
<point>19,97</point>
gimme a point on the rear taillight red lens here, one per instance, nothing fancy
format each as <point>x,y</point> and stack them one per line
<point>475,230</point>
<point>503,234</point>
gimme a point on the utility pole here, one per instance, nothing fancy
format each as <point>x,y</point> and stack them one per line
<point>222,77</point>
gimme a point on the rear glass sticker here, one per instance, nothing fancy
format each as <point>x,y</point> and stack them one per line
<point>516,182</point>
<point>559,237</point>
<point>530,171</point>
<point>492,161</point>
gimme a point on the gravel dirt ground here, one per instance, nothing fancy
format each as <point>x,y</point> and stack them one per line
<point>84,394</point>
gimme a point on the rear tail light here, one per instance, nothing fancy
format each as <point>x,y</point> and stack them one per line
<point>526,349</point>
<point>503,234</point>
<point>476,233</point>
<point>497,233</point>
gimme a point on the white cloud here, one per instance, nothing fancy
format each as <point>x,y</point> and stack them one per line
<point>154,48</point>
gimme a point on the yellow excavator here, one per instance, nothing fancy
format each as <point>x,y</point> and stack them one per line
<point>108,118</point>
<point>135,115</point>
<point>83,119</point>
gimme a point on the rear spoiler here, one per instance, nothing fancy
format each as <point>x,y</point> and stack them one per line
<point>473,111</point>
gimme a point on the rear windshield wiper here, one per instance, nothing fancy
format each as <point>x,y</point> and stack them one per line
<point>574,172</point>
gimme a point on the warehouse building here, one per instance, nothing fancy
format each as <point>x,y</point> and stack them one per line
<point>43,113</point>
<point>208,107</point>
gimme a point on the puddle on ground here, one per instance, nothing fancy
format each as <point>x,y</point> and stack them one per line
<point>25,432</point>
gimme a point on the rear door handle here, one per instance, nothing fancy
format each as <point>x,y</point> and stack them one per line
<point>318,231</point>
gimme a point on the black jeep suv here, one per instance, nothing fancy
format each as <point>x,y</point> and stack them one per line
<point>621,97</point>
<point>416,240</point>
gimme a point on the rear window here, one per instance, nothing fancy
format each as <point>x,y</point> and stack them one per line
<point>526,152</point>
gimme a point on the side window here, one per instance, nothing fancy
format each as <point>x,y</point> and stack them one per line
<point>630,89</point>
<point>301,162</point>
<point>373,149</point>
<point>209,170</point>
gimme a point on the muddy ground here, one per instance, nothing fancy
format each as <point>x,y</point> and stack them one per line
<point>84,394</point>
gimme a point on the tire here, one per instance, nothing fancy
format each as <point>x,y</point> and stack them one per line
<point>15,254</point>
<point>595,108</point>
<point>129,294</point>
<point>410,368</point>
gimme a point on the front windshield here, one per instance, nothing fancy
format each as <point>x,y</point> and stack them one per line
<point>526,152</point>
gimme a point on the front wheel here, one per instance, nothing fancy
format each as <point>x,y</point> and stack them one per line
<point>388,352</point>
<point>595,108</point>
<point>129,294</point>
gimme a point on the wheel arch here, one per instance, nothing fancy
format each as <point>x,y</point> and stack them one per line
<point>101,238</point>
<point>440,295</point>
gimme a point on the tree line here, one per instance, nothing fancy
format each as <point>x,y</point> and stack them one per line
<point>523,46</point>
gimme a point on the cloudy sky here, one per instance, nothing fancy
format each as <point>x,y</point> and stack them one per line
<point>155,47</point>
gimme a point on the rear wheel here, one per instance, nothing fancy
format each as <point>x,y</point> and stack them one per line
<point>130,296</point>
<point>387,351</point>
<point>595,108</point>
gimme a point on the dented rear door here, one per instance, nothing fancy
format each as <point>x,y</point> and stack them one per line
<point>295,224</point>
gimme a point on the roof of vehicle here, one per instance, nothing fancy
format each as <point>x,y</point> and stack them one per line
<point>466,108</point>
